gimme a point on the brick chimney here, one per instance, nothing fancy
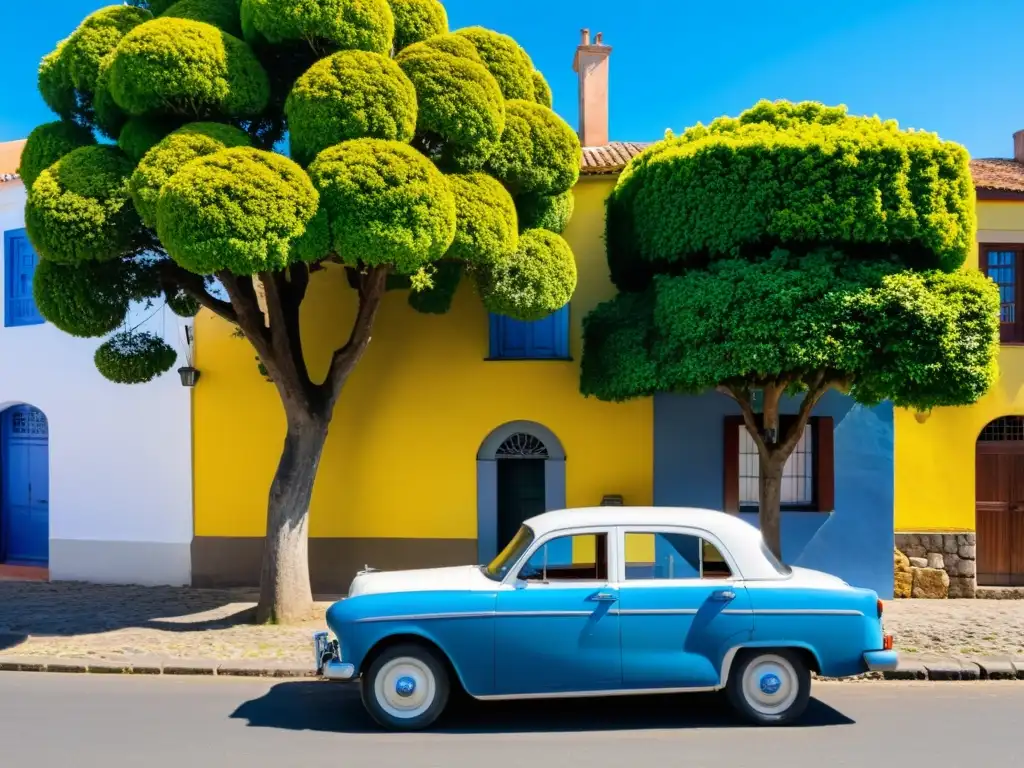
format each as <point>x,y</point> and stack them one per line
<point>1018,146</point>
<point>591,64</point>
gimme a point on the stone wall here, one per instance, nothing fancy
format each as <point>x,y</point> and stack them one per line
<point>952,552</point>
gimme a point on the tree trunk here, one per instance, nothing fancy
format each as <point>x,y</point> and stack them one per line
<point>770,492</point>
<point>285,593</point>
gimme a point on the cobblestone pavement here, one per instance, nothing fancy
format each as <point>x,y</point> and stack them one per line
<point>115,623</point>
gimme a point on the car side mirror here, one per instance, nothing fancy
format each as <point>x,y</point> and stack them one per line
<point>520,583</point>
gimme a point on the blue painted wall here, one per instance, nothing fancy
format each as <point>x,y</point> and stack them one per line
<point>854,542</point>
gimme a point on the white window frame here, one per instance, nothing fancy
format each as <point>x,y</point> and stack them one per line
<point>512,580</point>
<point>620,545</point>
<point>745,440</point>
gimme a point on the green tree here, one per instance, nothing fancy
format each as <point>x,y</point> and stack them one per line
<point>412,151</point>
<point>792,250</point>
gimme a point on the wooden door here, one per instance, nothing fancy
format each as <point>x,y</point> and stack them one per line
<point>520,495</point>
<point>24,496</point>
<point>999,487</point>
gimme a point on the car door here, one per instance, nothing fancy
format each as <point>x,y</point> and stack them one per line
<point>682,605</point>
<point>556,627</point>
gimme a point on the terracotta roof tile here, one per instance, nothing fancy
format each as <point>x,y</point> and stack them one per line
<point>998,174</point>
<point>989,173</point>
<point>10,158</point>
<point>610,158</point>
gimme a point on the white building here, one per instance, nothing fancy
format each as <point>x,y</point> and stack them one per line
<point>95,477</point>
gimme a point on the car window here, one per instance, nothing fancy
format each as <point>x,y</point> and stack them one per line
<point>659,555</point>
<point>580,557</point>
<point>510,555</point>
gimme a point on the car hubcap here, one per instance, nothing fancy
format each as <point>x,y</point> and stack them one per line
<point>770,685</point>
<point>405,687</point>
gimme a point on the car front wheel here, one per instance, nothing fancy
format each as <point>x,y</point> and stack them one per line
<point>770,687</point>
<point>406,688</point>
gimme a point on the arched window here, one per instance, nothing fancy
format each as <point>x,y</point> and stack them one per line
<point>1006,429</point>
<point>522,446</point>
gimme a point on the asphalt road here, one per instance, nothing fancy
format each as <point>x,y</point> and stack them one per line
<point>54,721</point>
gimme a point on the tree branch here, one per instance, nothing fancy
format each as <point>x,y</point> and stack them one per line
<point>283,301</point>
<point>818,387</point>
<point>193,284</point>
<point>372,286</point>
<point>742,398</point>
<point>249,314</point>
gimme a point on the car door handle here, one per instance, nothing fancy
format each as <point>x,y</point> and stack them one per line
<point>605,597</point>
<point>723,595</point>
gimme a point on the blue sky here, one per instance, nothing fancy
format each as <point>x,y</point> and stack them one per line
<point>948,66</point>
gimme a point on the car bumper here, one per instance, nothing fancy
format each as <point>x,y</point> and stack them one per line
<point>328,663</point>
<point>881,661</point>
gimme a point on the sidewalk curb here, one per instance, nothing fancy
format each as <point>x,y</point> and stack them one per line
<point>174,667</point>
<point>928,669</point>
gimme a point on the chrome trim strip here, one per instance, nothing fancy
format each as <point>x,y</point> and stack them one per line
<point>793,612</point>
<point>427,616</point>
<point>478,615</point>
<point>657,611</point>
<point>612,611</point>
<point>593,694</point>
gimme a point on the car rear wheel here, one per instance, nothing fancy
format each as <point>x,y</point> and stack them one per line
<point>770,687</point>
<point>406,688</point>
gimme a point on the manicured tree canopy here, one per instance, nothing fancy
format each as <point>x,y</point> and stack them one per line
<point>183,67</point>
<point>416,20</point>
<point>280,203</point>
<point>551,212</point>
<point>172,153</point>
<point>794,249</point>
<point>223,14</point>
<point>539,153</point>
<point>361,25</point>
<point>350,95</point>
<point>418,157</point>
<point>79,208</point>
<point>386,203</point>
<point>47,144</point>
<point>461,111</point>
<point>505,59</point>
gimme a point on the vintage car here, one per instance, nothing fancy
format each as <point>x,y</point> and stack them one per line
<point>599,602</point>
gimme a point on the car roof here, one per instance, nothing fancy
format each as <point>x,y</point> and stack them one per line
<point>585,517</point>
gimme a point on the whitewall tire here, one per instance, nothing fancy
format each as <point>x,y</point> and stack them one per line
<point>406,688</point>
<point>770,687</point>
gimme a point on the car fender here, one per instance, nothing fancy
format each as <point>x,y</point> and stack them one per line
<point>730,655</point>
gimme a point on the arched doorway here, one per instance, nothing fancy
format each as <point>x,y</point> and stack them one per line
<point>520,473</point>
<point>999,505</point>
<point>24,486</point>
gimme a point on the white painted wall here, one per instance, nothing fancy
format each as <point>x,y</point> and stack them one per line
<point>120,455</point>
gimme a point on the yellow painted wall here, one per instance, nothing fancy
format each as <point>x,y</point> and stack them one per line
<point>400,459</point>
<point>935,460</point>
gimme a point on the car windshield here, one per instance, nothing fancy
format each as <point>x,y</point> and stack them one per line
<point>777,564</point>
<point>499,567</point>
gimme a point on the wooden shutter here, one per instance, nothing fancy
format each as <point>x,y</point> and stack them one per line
<point>19,268</point>
<point>544,339</point>
<point>824,463</point>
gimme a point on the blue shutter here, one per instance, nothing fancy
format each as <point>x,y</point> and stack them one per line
<point>19,267</point>
<point>545,339</point>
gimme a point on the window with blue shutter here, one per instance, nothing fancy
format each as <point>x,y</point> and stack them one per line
<point>545,339</point>
<point>19,266</point>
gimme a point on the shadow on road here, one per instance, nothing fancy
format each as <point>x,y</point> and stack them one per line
<point>322,706</point>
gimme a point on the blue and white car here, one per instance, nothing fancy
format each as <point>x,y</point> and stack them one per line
<point>604,601</point>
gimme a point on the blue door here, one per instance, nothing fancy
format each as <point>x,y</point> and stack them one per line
<point>680,613</point>
<point>559,631</point>
<point>25,489</point>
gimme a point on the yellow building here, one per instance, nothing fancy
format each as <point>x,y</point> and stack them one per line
<point>960,471</point>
